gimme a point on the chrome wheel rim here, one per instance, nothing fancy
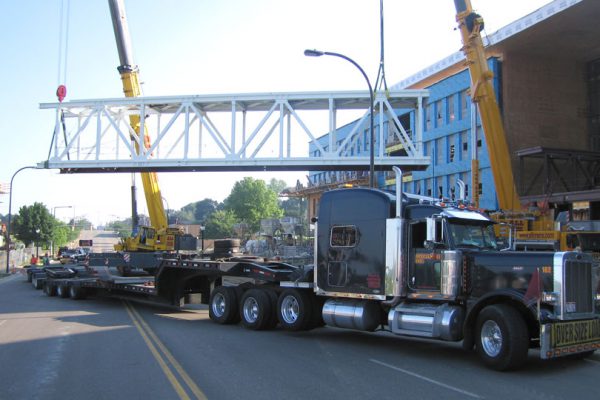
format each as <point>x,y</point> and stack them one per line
<point>251,310</point>
<point>290,309</point>
<point>491,338</point>
<point>218,305</point>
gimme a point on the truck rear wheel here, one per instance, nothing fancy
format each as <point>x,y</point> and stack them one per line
<point>294,310</point>
<point>76,292</point>
<point>223,307</point>
<point>37,284</point>
<point>62,291</point>
<point>255,310</point>
<point>502,337</point>
<point>49,289</point>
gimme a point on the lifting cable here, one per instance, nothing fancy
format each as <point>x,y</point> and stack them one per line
<point>381,72</point>
<point>61,91</point>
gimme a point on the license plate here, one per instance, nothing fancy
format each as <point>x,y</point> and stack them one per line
<point>564,338</point>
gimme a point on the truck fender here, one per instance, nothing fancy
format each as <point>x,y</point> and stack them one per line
<point>511,297</point>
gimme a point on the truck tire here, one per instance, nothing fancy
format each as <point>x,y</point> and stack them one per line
<point>223,308</point>
<point>255,310</point>
<point>273,320</point>
<point>37,284</point>
<point>502,339</point>
<point>62,291</point>
<point>76,292</point>
<point>295,310</point>
<point>49,289</point>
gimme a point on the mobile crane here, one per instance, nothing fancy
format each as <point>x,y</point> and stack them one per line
<point>159,236</point>
<point>534,231</point>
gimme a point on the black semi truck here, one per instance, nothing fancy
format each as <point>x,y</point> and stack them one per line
<point>384,260</point>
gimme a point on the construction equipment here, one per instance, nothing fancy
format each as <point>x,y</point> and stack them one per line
<point>158,236</point>
<point>533,229</point>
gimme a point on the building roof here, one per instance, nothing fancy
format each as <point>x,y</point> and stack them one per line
<point>561,28</point>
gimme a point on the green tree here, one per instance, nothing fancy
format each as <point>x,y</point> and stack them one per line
<point>277,185</point>
<point>219,224</point>
<point>34,224</point>
<point>123,228</point>
<point>251,200</point>
<point>204,208</point>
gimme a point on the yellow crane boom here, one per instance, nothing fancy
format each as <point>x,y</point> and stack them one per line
<point>131,87</point>
<point>482,93</point>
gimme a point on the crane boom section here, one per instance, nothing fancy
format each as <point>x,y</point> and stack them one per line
<point>482,93</point>
<point>132,88</point>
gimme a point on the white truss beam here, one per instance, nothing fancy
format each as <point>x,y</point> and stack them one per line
<point>232,132</point>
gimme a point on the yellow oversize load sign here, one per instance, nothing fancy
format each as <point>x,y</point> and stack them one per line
<point>564,338</point>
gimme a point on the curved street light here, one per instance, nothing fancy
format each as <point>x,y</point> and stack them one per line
<point>9,215</point>
<point>318,53</point>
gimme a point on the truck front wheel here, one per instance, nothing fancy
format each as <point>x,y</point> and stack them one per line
<point>502,337</point>
<point>223,307</point>
<point>294,310</point>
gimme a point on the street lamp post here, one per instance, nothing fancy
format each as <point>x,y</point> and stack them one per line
<point>9,216</point>
<point>54,215</point>
<point>318,53</point>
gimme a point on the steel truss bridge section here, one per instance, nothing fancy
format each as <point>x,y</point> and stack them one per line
<point>240,132</point>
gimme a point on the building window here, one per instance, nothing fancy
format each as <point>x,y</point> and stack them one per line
<point>480,190</point>
<point>479,139</point>
<point>451,114</point>
<point>439,186</point>
<point>439,150</point>
<point>451,148</point>
<point>428,186</point>
<point>343,236</point>
<point>464,145</point>
<point>428,114</point>
<point>464,104</point>
<point>439,113</point>
<point>452,192</point>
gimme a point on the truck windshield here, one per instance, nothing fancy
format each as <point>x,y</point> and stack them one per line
<point>589,241</point>
<point>468,234</point>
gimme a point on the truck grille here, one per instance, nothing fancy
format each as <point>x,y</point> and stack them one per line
<point>578,296</point>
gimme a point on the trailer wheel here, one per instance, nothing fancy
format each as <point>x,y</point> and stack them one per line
<point>62,291</point>
<point>29,276</point>
<point>273,320</point>
<point>294,310</point>
<point>37,284</point>
<point>49,289</point>
<point>255,310</point>
<point>76,292</point>
<point>223,307</point>
<point>502,337</point>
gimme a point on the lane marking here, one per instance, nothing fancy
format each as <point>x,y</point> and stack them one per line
<point>2,321</point>
<point>476,396</point>
<point>163,365</point>
<point>187,379</point>
<point>585,359</point>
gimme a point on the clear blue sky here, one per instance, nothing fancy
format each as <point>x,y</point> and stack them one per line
<point>198,47</point>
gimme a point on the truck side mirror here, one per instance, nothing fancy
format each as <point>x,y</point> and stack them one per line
<point>434,230</point>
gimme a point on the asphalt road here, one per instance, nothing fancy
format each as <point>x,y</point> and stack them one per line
<point>101,240</point>
<point>99,348</point>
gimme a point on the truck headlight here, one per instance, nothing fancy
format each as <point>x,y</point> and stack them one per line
<point>550,298</point>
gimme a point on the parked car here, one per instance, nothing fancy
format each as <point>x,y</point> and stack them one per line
<point>72,256</point>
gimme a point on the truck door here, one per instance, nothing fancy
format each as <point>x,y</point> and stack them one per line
<point>424,261</point>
